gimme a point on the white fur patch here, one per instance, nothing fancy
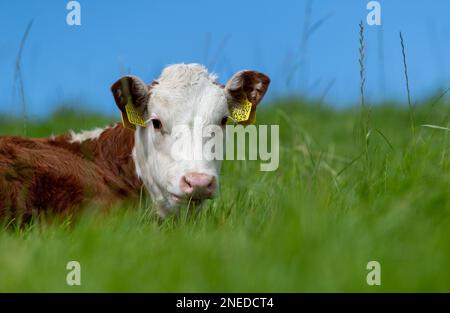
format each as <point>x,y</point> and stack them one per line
<point>185,75</point>
<point>93,134</point>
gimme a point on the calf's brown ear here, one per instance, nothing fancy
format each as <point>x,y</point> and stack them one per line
<point>245,91</point>
<point>131,95</point>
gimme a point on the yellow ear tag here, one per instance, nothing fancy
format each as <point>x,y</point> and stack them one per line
<point>242,112</point>
<point>133,116</point>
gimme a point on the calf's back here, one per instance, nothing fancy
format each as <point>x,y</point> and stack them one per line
<point>61,175</point>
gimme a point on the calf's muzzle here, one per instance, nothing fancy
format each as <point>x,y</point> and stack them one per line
<point>198,185</point>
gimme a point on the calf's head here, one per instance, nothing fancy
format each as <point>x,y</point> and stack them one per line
<point>182,100</point>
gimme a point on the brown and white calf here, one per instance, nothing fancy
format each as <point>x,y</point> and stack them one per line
<point>104,166</point>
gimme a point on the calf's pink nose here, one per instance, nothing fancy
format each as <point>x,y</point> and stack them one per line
<point>198,185</point>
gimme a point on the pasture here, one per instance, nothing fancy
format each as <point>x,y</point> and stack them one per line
<point>339,199</point>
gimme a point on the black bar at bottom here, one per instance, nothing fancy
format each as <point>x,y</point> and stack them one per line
<point>224,302</point>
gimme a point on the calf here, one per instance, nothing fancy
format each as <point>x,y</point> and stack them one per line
<point>104,166</point>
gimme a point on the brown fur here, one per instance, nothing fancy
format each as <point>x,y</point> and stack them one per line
<point>56,176</point>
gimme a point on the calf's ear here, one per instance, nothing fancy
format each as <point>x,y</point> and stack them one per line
<point>245,91</point>
<point>131,95</point>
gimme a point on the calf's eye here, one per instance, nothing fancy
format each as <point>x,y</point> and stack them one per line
<point>224,121</point>
<point>156,123</point>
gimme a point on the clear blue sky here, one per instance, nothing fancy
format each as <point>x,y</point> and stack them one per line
<point>79,63</point>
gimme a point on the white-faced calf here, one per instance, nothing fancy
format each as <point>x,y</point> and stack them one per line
<point>104,166</point>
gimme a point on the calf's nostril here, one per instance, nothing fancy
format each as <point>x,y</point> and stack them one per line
<point>185,185</point>
<point>186,181</point>
<point>212,184</point>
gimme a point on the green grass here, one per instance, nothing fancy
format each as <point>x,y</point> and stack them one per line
<point>312,225</point>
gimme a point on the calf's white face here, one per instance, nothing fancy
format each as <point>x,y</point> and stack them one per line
<point>184,99</point>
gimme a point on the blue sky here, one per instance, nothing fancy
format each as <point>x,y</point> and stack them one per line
<point>79,63</point>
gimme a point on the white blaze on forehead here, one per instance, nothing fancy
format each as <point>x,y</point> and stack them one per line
<point>184,75</point>
<point>93,134</point>
<point>187,91</point>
